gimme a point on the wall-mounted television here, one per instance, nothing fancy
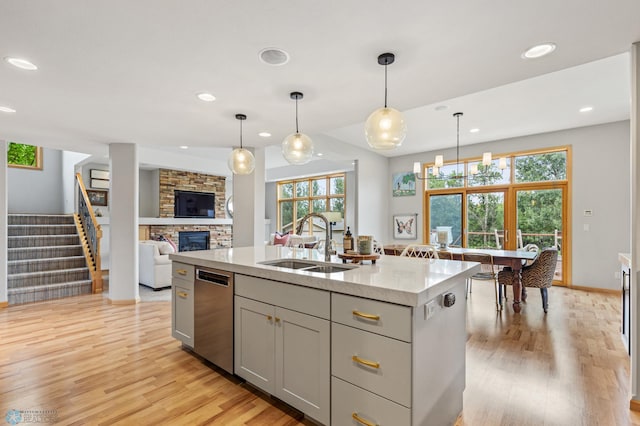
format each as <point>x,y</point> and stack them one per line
<point>194,204</point>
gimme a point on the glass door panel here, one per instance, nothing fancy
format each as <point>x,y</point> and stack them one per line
<point>446,210</point>
<point>485,216</point>
<point>539,221</point>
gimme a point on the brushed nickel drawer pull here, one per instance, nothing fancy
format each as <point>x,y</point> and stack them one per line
<point>182,294</point>
<point>366,316</point>
<point>181,271</point>
<point>366,362</point>
<point>360,420</point>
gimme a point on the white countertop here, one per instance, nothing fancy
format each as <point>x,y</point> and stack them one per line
<point>402,280</point>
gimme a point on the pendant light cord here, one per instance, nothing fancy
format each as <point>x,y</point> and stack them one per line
<point>458,145</point>
<point>297,115</point>
<point>385,84</point>
<point>240,134</point>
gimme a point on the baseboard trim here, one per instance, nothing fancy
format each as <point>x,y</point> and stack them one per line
<point>4,304</point>
<point>596,289</point>
<point>124,301</point>
<point>634,405</point>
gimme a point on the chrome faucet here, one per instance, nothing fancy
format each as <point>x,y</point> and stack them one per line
<point>327,241</point>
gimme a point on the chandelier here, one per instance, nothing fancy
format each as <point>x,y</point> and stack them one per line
<point>474,171</point>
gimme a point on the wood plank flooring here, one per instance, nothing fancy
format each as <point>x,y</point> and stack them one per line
<point>93,363</point>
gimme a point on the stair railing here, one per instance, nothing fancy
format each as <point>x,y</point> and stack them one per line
<point>90,234</point>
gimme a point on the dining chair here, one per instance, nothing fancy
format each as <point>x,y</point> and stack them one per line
<point>487,273</point>
<point>420,250</point>
<point>377,247</point>
<point>443,254</point>
<point>503,287</point>
<point>538,275</point>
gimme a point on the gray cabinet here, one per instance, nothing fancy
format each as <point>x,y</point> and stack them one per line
<point>279,347</point>
<point>182,313</point>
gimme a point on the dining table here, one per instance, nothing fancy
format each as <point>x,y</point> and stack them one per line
<point>515,259</point>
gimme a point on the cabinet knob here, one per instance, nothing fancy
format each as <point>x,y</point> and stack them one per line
<point>360,420</point>
<point>277,319</point>
<point>372,317</point>
<point>182,294</point>
<point>269,317</point>
<point>181,271</point>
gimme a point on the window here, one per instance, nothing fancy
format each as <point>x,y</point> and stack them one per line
<point>316,194</point>
<point>526,203</point>
<point>24,156</point>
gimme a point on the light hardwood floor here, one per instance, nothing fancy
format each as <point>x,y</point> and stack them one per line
<point>95,363</point>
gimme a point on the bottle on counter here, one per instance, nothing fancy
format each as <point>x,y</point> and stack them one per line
<point>347,241</point>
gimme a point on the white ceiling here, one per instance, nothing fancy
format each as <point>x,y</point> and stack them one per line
<point>129,71</point>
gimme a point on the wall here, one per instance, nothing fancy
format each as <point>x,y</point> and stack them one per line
<point>149,203</point>
<point>69,161</point>
<point>38,191</point>
<point>171,180</point>
<point>600,182</point>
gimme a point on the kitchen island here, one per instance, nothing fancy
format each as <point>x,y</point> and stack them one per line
<point>345,344</point>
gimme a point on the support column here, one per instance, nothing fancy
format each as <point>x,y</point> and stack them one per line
<point>4,232</point>
<point>123,224</point>
<point>249,205</point>
<point>635,225</point>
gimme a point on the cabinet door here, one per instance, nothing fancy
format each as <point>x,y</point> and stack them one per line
<point>182,313</point>
<point>302,357</point>
<point>254,343</point>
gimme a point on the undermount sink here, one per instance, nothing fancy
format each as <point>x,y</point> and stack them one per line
<point>328,269</point>
<point>289,263</point>
<point>302,265</point>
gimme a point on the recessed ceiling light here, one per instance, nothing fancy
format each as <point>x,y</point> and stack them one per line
<point>319,154</point>
<point>273,56</point>
<point>207,97</point>
<point>441,107</point>
<point>21,63</point>
<point>7,109</point>
<point>586,109</point>
<point>474,130</point>
<point>539,50</point>
<point>184,147</point>
<point>264,134</point>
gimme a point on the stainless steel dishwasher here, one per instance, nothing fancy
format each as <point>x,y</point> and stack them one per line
<point>213,317</point>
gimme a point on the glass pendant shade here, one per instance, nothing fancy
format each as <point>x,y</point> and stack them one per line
<point>297,148</point>
<point>385,129</point>
<point>241,161</point>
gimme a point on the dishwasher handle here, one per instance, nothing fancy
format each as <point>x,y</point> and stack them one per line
<point>212,277</point>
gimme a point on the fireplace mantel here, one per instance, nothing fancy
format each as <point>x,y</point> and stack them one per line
<point>104,220</point>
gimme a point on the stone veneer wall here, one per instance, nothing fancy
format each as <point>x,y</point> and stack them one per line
<point>171,180</point>
<point>219,235</point>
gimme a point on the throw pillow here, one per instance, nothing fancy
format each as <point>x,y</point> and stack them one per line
<point>165,248</point>
<point>167,239</point>
<point>280,239</point>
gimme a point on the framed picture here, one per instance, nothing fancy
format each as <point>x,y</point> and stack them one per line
<point>98,198</point>
<point>405,226</point>
<point>404,183</point>
<point>99,183</point>
<point>99,174</point>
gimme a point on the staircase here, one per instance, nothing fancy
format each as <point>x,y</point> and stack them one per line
<point>45,259</point>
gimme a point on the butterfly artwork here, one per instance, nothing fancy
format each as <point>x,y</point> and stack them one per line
<point>405,227</point>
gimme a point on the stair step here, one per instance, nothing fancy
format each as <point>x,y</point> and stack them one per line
<point>42,264</point>
<point>21,230</point>
<point>43,240</point>
<point>40,219</point>
<point>48,292</point>
<point>31,279</point>
<point>25,253</point>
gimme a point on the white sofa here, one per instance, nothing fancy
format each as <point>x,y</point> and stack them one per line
<point>154,264</point>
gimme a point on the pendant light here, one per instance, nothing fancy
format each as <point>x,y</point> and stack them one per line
<point>297,148</point>
<point>241,161</point>
<point>385,128</point>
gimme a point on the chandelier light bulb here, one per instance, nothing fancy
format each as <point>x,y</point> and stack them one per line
<point>439,160</point>
<point>486,159</point>
<point>502,164</point>
<point>473,169</point>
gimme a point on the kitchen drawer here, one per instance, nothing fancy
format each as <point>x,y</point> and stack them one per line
<point>371,315</point>
<point>390,373</point>
<point>297,298</point>
<point>348,400</point>
<point>182,271</point>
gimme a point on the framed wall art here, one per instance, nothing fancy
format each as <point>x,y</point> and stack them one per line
<point>97,198</point>
<point>405,226</point>
<point>404,184</point>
